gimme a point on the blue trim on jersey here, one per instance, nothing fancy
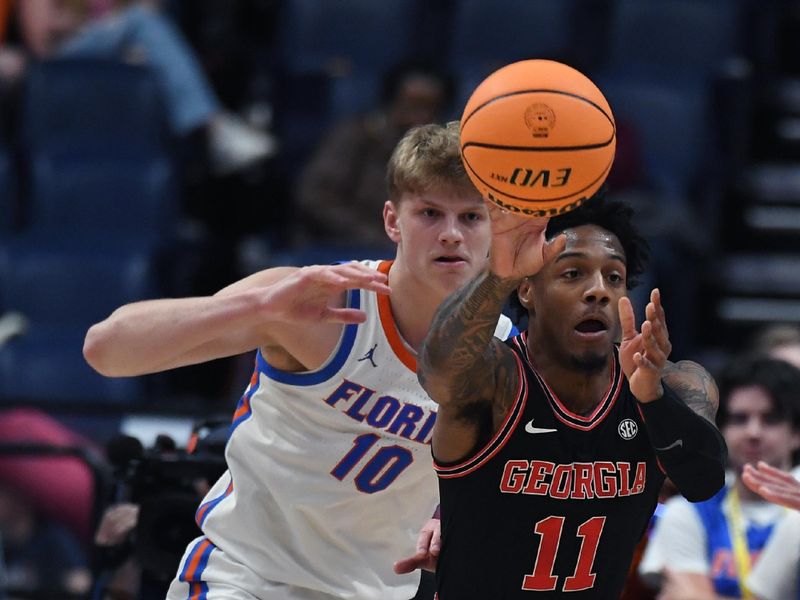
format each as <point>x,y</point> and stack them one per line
<point>198,571</point>
<point>513,333</point>
<point>329,370</point>
<point>211,504</point>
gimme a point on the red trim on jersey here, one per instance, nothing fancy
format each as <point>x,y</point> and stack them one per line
<point>390,327</point>
<point>561,412</point>
<point>500,438</point>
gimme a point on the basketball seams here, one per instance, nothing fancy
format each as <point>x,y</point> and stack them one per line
<point>541,148</point>
<point>465,120</point>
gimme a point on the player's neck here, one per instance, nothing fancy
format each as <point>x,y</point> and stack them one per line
<point>412,307</point>
<point>579,392</point>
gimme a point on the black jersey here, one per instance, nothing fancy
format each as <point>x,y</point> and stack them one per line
<point>555,502</point>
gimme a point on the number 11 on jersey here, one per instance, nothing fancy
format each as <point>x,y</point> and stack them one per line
<point>542,578</point>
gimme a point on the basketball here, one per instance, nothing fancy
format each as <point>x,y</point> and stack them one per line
<point>537,138</point>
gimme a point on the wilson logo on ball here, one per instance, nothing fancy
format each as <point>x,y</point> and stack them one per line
<point>535,212</point>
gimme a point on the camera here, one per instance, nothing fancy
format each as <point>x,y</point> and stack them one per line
<point>168,485</point>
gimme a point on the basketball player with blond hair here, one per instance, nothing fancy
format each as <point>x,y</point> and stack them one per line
<point>329,468</point>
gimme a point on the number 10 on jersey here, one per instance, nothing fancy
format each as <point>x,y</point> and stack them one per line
<point>383,466</point>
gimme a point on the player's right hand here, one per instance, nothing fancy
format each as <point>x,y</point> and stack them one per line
<point>519,247</point>
<point>316,293</point>
<point>429,543</point>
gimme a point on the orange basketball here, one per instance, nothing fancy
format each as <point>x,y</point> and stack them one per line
<point>537,138</point>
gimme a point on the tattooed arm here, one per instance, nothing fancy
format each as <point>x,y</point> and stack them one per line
<point>694,386</point>
<point>462,367</point>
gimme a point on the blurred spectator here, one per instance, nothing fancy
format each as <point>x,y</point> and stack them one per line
<point>45,508</point>
<point>135,31</point>
<point>779,340</point>
<point>343,188</point>
<point>706,550</point>
<point>42,557</point>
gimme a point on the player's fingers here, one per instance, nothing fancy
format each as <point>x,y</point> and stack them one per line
<point>409,565</point>
<point>643,362</point>
<point>359,275</point>
<point>424,541</point>
<point>344,315</point>
<point>626,318</point>
<point>659,335</point>
<point>655,298</point>
<point>777,473</point>
<point>653,350</point>
<point>554,247</point>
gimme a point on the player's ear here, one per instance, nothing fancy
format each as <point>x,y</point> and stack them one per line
<point>525,293</point>
<point>390,221</point>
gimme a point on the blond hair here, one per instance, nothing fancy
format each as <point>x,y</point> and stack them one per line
<point>428,157</point>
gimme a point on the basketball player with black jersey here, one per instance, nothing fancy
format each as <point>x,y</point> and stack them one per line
<point>551,447</point>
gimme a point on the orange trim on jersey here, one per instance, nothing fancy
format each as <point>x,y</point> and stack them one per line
<point>390,327</point>
<point>244,406</point>
<point>500,438</point>
<point>189,573</point>
<point>196,589</point>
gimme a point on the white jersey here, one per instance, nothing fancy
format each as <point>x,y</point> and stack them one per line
<point>330,471</point>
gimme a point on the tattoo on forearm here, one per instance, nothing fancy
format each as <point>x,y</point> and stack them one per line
<point>462,330</point>
<point>695,386</point>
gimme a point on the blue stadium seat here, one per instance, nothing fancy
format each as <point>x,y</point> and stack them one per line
<point>62,288</point>
<point>8,193</point>
<point>46,366</point>
<point>133,195</point>
<point>673,123</point>
<point>97,153</point>
<point>341,37</point>
<point>487,35</point>
<point>93,104</point>
<point>331,57</point>
<point>690,37</point>
<point>72,281</point>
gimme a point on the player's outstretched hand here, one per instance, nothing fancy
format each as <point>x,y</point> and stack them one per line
<point>644,354</point>
<point>429,542</point>
<point>314,294</point>
<point>773,484</point>
<point>519,247</point>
